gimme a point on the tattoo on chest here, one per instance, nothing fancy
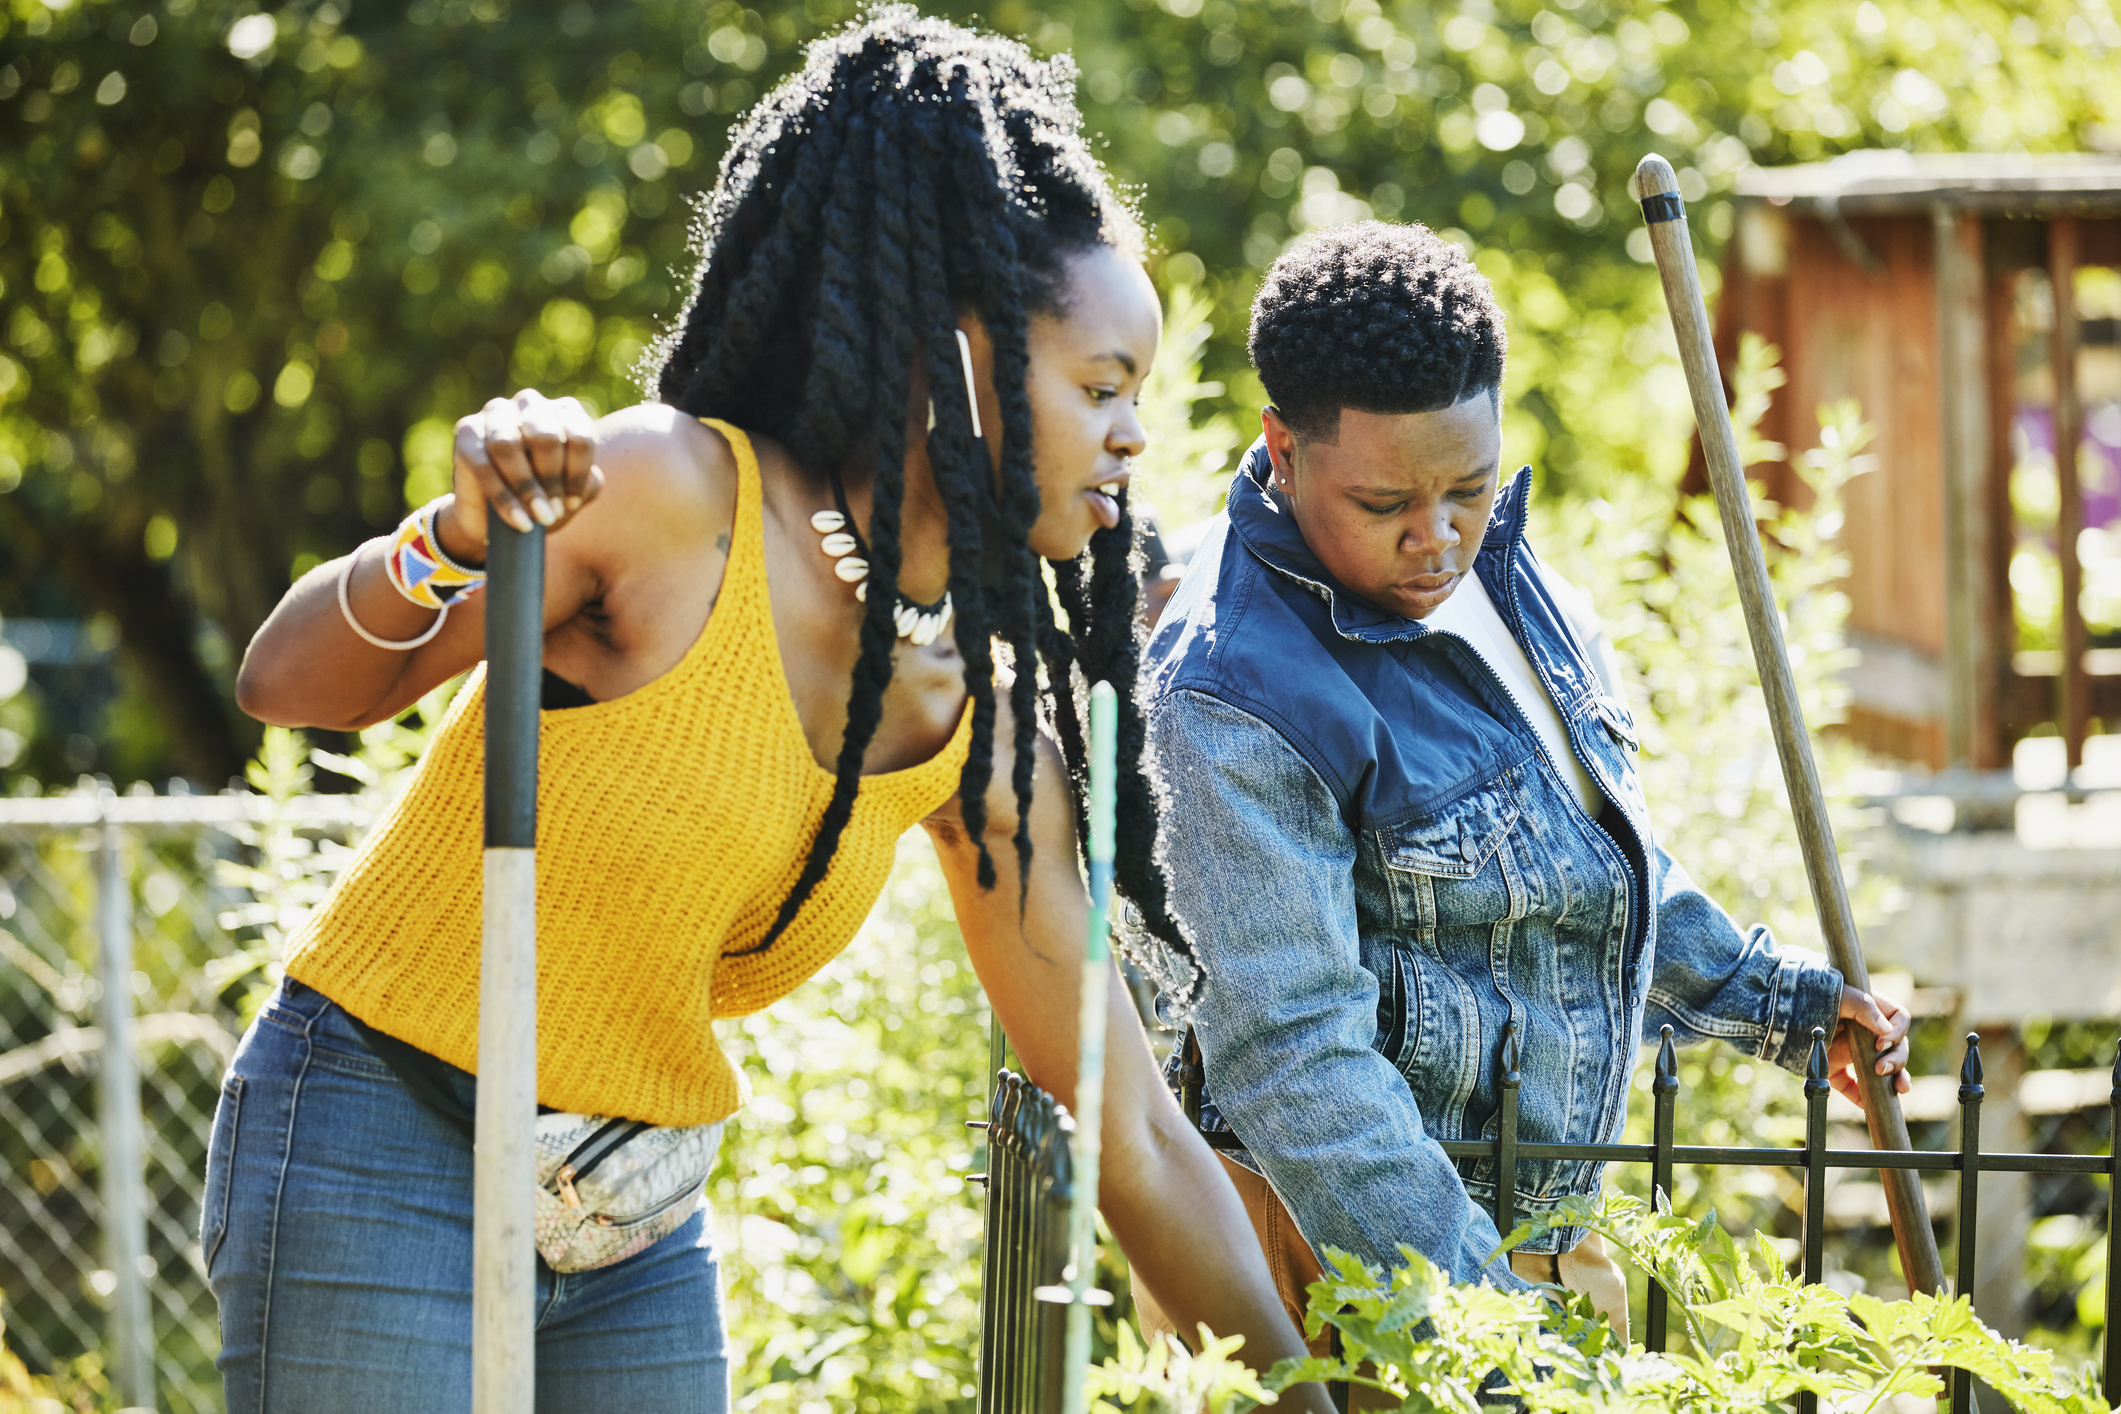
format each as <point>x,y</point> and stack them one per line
<point>721,542</point>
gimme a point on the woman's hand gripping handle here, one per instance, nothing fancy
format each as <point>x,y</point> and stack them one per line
<point>534,459</point>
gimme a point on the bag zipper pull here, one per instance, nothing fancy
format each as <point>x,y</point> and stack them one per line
<point>565,1181</point>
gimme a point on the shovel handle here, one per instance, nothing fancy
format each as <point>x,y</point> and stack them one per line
<point>504,1246</point>
<point>1658,190</point>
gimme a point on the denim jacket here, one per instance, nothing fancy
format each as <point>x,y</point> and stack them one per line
<point>1381,870</point>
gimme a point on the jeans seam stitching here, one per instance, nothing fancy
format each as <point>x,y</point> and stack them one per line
<point>342,1063</point>
<point>272,1241</point>
<point>228,1187</point>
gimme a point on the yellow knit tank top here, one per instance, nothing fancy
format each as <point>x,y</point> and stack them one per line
<point>672,822</point>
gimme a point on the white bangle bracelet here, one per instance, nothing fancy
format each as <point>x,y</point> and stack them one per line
<point>346,569</point>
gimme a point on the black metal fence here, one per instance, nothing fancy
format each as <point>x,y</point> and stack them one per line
<point>1028,1194</point>
<point>1815,1158</point>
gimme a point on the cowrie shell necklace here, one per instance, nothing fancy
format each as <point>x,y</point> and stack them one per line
<point>920,623</point>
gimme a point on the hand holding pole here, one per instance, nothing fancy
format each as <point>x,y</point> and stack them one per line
<point>1658,189</point>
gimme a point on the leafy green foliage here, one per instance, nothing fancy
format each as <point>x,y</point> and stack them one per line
<point>253,263</point>
<point>252,266</point>
<point>1182,476</point>
<point>79,1384</point>
<point>1171,1377</point>
<point>1756,1338</point>
<point>1433,1344</point>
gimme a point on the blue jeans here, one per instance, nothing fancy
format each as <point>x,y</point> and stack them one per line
<point>337,1235</point>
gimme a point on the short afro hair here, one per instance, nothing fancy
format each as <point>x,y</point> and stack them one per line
<point>1375,317</point>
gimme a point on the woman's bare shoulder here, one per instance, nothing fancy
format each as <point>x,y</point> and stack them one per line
<point>667,478</point>
<point>674,457</point>
<point>661,453</point>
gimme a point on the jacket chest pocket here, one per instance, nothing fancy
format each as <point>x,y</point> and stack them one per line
<point>1456,841</point>
<point>1618,721</point>
<point>1444,866</point>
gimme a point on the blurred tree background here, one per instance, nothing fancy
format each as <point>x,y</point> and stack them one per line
<point>254,262</point>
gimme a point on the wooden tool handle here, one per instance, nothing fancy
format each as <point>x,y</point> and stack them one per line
<point>1658,190</point>
<point>504,1165</point>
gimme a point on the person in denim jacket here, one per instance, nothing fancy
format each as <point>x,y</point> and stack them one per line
<point>1403,818</point>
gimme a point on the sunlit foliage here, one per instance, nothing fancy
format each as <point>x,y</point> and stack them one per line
<point>253,264</point>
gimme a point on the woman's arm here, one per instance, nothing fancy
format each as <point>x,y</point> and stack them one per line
<point>618,495</point>
<point>1177,1219</point>
<point>307,667</point>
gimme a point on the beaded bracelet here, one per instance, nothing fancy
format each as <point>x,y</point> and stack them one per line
<point>421,570</point>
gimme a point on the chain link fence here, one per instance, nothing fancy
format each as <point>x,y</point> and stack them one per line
<point>129,930</point>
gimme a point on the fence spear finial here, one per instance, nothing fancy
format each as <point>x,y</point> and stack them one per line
<point>1815,1068</point>
<point>1970,1069</point>
<point>1667,1064</point>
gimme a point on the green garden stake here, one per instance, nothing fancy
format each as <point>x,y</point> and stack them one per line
<point>1090,1067</point>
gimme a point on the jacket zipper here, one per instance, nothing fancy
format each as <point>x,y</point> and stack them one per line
<point>1636,902</point>
<point>1637,905</point>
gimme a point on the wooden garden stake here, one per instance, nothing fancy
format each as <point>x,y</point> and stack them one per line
<point>1658,189</point>
<point>504,1245</point>
<point>1090,1066</point>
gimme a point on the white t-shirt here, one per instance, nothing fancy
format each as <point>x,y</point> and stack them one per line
<point>1471,614</point>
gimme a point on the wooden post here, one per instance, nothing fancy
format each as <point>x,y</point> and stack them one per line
<point>1999,618</point>
<point>123,1166</point>
<point>1962,367</point>
<point>1658,189</point>
<point>504,1247</point>
<point>2075,706</point>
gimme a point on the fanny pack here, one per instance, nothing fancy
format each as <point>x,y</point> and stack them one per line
<point>610,1187</point>
<point>606,1187</point>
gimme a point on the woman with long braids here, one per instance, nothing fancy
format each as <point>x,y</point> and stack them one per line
<point>905,384</point>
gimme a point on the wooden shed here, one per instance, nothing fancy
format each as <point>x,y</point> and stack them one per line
<point>1985,549</point>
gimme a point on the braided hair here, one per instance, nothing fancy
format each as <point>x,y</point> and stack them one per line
<point>914,169</point>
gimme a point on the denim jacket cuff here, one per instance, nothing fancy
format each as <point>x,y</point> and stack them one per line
<point>1501,1277</point>
<point>1807,993</point>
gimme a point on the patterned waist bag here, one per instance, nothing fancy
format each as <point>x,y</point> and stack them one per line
<point>611,1187</point>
